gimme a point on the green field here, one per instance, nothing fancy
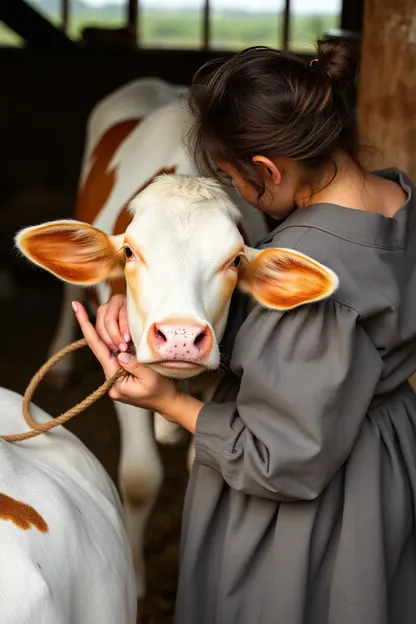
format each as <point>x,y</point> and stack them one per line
<point>183,29</point>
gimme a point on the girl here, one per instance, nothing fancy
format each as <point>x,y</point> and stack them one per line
<point>301,503</point>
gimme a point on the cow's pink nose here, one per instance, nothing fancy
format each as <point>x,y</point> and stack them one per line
<point>176,341</point>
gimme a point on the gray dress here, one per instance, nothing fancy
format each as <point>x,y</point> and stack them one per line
<point>301,504</point>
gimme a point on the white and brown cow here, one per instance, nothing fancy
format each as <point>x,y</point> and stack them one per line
<point>181,257</point>
<point>65,556</point>
<point>133,135</point>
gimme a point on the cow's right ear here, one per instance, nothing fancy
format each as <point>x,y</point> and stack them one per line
<point>73,251</point>
<point>283,279</point>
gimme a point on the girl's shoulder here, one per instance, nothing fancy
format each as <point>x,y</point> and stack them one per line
<point>369,253</point>
<point>336,223</point>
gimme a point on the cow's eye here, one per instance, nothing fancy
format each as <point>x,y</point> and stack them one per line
<point>236,262</point>
<point>128,253</point>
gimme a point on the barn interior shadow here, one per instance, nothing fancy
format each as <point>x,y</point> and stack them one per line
<point>28,321</point>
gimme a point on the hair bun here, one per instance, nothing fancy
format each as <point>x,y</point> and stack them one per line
<point>338,59</point>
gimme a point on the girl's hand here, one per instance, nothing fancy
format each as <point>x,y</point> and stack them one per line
<point>112,326</point>
<point>143,386</point>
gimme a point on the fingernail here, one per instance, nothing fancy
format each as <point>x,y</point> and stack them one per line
<point>122,347</point>
<point>124,358</point>
<point>75,306</point>
<point>126,337</point>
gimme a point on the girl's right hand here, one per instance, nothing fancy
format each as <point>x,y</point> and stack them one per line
<point>111,324</point>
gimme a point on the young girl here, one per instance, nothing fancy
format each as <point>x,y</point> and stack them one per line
<point>301,503</point>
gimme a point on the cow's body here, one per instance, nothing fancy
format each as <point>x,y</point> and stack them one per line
<point>65,556</point>
<point>133,135</point>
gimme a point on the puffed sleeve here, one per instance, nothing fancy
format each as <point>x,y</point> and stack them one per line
<point>306,379</point>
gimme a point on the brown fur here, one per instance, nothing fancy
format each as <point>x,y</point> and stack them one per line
<point>283,279</point>
<point>22,515</point>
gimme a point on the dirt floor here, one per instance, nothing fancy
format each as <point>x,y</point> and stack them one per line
<point>27,323</point>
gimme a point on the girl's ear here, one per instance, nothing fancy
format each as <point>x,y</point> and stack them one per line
<point>269,171</point>
<point>73,251</point>
<point>282,279</point>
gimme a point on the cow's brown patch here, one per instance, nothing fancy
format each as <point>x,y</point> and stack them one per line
<point>100,180</point>
<point>22,515</point>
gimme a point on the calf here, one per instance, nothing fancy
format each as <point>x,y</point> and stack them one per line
<point>65,556</point>
<point>181,257</point>
<point>133,135</point>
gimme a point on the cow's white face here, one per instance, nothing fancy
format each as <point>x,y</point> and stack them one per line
<point>182,257</point>
<point>182,254</point>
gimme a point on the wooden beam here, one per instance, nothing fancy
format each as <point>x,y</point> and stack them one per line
<point>286,26</point>
<point>133,16</point>
<point>206,26</point>
<point>32,27</point>
<point>65,15</point>
<point>387,86</point>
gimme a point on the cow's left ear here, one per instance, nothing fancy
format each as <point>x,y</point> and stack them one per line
<point>282,279</point>
<point>75,252</point>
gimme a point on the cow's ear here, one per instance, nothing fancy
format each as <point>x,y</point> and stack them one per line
<point>282,279</point>
<point>73,251</point>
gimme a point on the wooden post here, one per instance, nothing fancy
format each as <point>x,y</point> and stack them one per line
<point>206,26</point>
<point>286,26</point>
<point>387,88</point>
<point>65,15</point>
<point>132,16</point>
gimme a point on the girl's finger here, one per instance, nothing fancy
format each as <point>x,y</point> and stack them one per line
<point>124,326</point>
<point>97,346</point>
<point>112,321</point>
<point>102,331</point>
<point>131,365</point>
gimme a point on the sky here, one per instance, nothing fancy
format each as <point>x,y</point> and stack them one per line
<point>297,6</point>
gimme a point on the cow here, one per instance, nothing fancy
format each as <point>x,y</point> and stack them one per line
<point>180,257</point>
<point>133,135</point>
<point>65,555</point>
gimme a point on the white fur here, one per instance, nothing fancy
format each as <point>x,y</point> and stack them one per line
<point>80,570</point>
<point>174,224</point>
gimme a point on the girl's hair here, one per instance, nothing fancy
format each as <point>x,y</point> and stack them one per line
<point>263,101</point>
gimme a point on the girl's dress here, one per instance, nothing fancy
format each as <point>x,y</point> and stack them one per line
<point>301,503</point>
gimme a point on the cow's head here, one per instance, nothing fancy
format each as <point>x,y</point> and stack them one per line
<point>182,257</point>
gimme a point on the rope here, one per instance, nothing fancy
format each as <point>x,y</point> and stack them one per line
<point>38,428</point>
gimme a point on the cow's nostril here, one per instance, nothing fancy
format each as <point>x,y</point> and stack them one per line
<point>200,338</point>
<point>160,335</point>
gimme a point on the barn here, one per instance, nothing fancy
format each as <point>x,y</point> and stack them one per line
<point>59,59</point>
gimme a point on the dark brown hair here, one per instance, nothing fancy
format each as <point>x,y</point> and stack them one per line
<point>263,101</point>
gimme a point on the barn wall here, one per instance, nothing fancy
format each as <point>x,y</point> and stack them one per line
<point>387,102</point>
<point>44,104</point>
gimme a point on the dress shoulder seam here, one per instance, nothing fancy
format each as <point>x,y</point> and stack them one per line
<point>371,244</point>
<point>334,299</point>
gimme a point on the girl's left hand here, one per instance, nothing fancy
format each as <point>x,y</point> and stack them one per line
<point>143,386</point>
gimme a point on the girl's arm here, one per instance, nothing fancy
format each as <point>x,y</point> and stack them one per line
<point>143,386</point>
<point>306,380</point>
